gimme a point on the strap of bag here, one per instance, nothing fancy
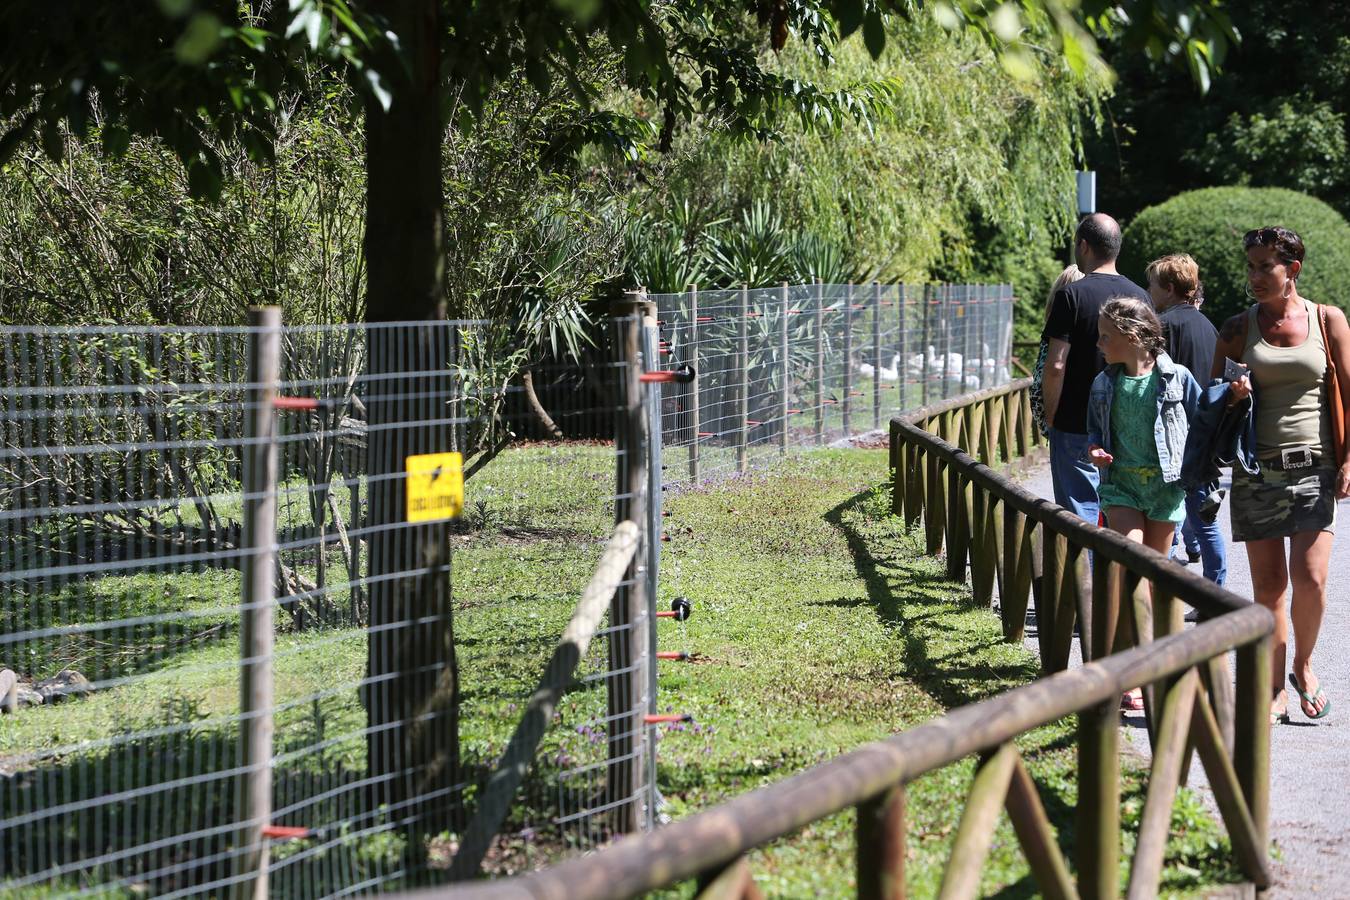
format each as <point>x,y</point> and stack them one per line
<point>1333,384</point>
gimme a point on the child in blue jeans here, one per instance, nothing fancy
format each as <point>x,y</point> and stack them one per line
<point>1139,412</point>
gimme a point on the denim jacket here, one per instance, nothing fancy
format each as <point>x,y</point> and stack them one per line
<point>1178,398</point>
<point>1220,437</point>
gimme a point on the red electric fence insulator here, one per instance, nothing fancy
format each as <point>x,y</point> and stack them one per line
<point>663,718</point>
<point>704,319</point>
<point>684,374</point>
<point>296,402</point>
<point>707,434</point>
<point>285,832</point>
<point>753,422</point>
<point>678,655</point>
<point>793,412</point>
<point>680,609</point>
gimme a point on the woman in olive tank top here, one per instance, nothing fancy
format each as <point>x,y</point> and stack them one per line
<point>1280,339</point>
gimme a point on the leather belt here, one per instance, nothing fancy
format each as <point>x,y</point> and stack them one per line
<point>1293,459</point>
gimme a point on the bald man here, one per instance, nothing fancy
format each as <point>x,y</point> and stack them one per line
<point>1072,360</point>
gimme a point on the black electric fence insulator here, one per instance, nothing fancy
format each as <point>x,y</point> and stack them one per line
<point>682,608</point>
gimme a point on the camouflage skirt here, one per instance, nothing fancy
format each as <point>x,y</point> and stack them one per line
<point>1280,502</point>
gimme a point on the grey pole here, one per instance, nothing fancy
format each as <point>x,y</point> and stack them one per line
<point>257,601</point>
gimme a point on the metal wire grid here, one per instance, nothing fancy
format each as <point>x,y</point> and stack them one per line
<point>120,534</point>
<point>803,365</point>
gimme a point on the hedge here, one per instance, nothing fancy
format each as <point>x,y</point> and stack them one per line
<point>1209,224</point>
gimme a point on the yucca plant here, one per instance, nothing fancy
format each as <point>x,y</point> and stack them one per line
<point>753,251</point>
<point>816,259</point>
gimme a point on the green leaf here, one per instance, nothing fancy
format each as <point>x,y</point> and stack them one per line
<point>199,40</point>
<point>874,33</point>
<point>850,13</point>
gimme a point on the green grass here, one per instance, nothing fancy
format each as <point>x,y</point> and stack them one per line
<point>819,625</point>
<point>826,626</point>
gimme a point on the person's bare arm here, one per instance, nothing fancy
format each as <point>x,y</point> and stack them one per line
<point>1052,382</point>
<point>1339,333</point>
<point>1232,341</point>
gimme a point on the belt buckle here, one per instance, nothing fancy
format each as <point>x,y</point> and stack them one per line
<point>1296,458</point>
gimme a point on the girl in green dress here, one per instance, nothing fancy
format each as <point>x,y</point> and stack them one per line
<point>1139,413</point>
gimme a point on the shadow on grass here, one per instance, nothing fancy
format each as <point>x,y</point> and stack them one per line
<point>930,612</point>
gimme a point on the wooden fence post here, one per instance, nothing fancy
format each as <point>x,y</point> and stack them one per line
<point>1098,809</point>
<point>881,846</point>
<point>627,678</point>
<point>1251,750</point>
<point>692,357</point>
<point>254,787</point>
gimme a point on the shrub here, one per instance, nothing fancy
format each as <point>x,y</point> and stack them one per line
<point>1209,224</point>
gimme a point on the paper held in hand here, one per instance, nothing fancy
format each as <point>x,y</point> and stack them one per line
<point>1234,371</point>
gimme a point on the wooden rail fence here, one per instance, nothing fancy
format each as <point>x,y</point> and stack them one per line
<point>1034,553</point>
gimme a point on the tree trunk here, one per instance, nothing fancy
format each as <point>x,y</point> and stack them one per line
<point>550,427</point>
<point>412,695</point>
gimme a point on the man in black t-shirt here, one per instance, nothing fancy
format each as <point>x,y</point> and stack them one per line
<point>1072,359</point>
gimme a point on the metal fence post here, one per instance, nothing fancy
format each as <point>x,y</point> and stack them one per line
<point>786,364</point>
<point>743,399</point>
<point>848,358</point>
<point>626,681</point>
<point>820,362</point>
<point>692,357</point>
<point>254,785</point>
<point>876,354</point>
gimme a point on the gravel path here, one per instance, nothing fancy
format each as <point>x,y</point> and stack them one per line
<point>1310,761</point>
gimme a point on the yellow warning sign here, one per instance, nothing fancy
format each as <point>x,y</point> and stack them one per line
<point>435,486</point>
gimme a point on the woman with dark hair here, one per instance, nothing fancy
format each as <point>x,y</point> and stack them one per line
<point>1288,343</point>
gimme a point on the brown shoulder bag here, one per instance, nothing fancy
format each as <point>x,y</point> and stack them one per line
<point>1333,391</point>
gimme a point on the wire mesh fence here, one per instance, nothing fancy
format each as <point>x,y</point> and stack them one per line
<point>373,690</point>
<point>230,662</point>
<point>803,365</point>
